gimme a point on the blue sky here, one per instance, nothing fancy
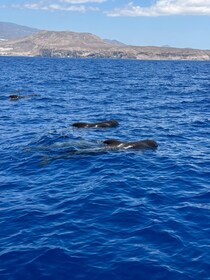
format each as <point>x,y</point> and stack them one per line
<point>177,23</point>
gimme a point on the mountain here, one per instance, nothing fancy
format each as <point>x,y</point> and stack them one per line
<point>51,43</point>
<point>114,42</point>
<point>74,44</point>
<point>13,31</point>
<point>65,40</point>
<point>9,31</point>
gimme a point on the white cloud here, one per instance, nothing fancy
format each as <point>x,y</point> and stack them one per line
<point>61,5</point>
<point>165,8</point>
<point>82,1</point>
<point>158,8</point>
<point>56,7</point>
<point>72,8</point>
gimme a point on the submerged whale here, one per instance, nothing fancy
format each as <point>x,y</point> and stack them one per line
<point>14,97</point>
<point>71,149</point>
<point>105,124</point>
<point>142,144</point>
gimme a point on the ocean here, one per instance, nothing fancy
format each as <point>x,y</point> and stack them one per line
<point>72,209</point>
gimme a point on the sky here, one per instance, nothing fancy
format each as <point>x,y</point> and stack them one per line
<point>175,23</point>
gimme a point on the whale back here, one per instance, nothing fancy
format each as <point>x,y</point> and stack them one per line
<point>14,97</point>
<point>112,142</point>
<point>111,123</point>
<point>143,144</point>
<point>80,125</point>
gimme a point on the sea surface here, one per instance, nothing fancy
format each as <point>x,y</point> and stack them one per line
<point>70,208</point>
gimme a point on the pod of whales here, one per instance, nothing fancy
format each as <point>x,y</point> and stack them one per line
<point>75,148</point>
<point>142,144</point>
<point>105,124</point>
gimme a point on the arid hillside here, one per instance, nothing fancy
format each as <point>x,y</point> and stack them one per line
<point>74,44</point>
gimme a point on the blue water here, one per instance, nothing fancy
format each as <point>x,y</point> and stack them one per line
<point>69,209</point>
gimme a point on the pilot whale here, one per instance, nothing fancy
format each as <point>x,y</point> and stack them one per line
<point>142,144</point>
<point>72,149</point>
<point>14,97</point>
<point>105,124</point>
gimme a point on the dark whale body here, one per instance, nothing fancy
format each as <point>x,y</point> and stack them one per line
<point>143,144</point>
<point>110,145</point>
<point>14,97</point>
<point>105,124</point>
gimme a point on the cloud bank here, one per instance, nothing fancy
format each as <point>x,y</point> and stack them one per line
<point>158,8</point>
<point>165,8</point>
<point>81,6</point>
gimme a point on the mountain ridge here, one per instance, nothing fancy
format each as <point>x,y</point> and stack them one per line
<point>86,45</point>
<point>9,30</point>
